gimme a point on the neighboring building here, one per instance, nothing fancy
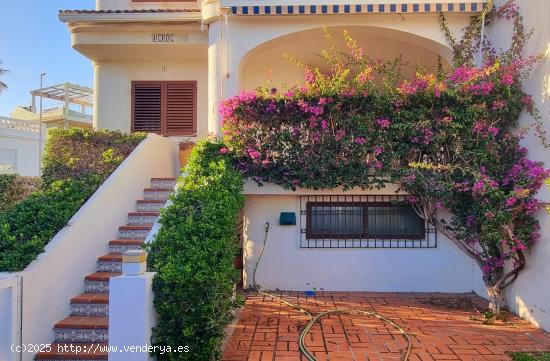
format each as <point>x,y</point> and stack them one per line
<point>19,146</point>
<point>21,143</point>
<point>69,106</point>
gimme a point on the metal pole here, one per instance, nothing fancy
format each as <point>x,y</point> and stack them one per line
<point>40,136</point>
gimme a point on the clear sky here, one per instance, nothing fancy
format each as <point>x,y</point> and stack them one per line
<point>33,41</point>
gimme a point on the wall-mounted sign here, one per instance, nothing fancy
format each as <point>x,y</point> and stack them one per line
<point>164,38</point>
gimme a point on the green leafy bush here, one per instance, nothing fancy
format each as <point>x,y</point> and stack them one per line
<point>14,188</point>
<point>76,162</point>
<point>77,153</point>
<point>193,255</point>
<point>29,225</point>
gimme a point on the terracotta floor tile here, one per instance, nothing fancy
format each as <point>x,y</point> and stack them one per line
<point>269,330</point>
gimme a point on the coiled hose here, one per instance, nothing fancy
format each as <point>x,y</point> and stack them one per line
<point>313,319</point>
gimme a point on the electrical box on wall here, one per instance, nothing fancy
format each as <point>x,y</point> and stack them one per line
<point>287,219</point>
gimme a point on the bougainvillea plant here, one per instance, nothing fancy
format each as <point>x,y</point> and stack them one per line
<point>449,138</point>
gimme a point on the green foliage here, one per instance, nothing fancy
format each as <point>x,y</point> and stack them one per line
<point>29,225</point>
<point>14,188</point>
<point>194,254</point>
<point>77,153</point>
<point>76,162</point>
<point>524,356</point>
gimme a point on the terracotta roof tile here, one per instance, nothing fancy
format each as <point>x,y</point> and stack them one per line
<point>129,11</point>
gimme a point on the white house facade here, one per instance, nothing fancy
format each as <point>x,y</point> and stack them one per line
<point>165,66</point>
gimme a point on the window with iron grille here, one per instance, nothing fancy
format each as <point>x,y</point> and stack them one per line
<point>371,221</point>
<point>164,107</point>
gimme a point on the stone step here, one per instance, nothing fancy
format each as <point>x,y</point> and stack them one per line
<point>111,262</point>
<point>141,218</point>
<point>82,329</point>
<point>135,232</point>
<point>148,205</point>
<point>161,194</point>
<point>78,351</point>
<point>163,183</point>
<point>90,304</point>
<point>98,282</point>
<point>118,246</point>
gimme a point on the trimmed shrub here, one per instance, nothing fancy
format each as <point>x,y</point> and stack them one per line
<point>77,153</point>
<point>76,162</point>
<point>194,254</point>
<point>14,188</point>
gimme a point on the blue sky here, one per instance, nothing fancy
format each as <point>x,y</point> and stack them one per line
<point>32,41</point>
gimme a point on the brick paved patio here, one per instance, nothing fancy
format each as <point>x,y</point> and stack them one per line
<point>440,325</point>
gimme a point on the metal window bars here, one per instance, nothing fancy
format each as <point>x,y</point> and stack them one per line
<point>362,221</point>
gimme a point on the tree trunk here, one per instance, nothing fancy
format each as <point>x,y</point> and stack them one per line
<point>496,299</point>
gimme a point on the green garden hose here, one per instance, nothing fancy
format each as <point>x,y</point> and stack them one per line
<point>313,319</point>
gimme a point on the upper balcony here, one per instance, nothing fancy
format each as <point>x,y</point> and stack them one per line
<point>66,105</point>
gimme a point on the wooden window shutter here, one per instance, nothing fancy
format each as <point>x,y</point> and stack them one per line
<point>164,107</point>
<point>147,107</point>
<point>181,108</point>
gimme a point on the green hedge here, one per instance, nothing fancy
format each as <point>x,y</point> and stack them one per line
<point>194,254</point>
<point>76,162</point>
<point>14,188</point>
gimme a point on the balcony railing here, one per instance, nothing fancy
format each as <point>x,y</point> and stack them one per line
<point>18,124</point>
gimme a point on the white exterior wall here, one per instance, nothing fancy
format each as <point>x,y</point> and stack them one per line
<point>286,266</point>
<point>529,296</point>
<point>113,84</point>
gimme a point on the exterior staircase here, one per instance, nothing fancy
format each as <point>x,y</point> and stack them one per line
<point>84,334</point>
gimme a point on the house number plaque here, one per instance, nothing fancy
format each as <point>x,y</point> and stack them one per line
<point>163,38</point>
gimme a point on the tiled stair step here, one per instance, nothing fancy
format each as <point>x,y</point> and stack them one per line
<point>120,245</point>
<point>111,262</point>
<point>135,232</point>
<point>82,329</point>
<point>163,183</point>
<point>90,304</point>
<point>98,282</point>
<point>62,351</point>
<point>148,205</point>
<point>157,193</point>
<point>140,218</point>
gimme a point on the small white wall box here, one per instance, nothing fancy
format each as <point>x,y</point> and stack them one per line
<point>287,219</point>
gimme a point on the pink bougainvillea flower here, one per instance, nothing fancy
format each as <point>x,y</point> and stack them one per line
<point>499,104</point>
<point>507,79</point>
<point>360,140</point>
<point>324,124</point>
<point>309,76</point>
<point>379,150</point>
<point>493,130</point>
<point>253,153</point>
<point>510,201</point>
<point>383,123</point>
<point>340,134</point>
<point>224,150</point>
